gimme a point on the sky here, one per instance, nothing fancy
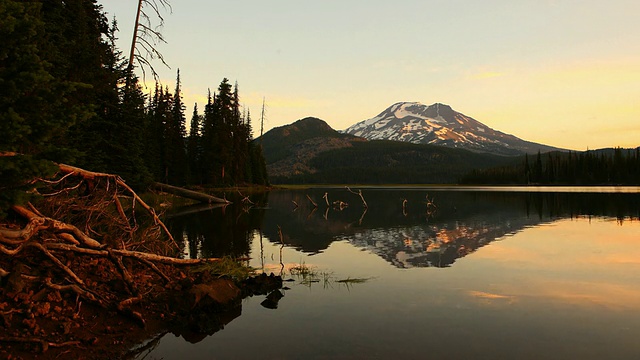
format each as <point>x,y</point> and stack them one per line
<point>564,73</point>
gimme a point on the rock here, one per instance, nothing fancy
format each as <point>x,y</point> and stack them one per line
<point>271,301</point>
<point>217,292</point>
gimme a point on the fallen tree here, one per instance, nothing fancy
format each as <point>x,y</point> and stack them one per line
<point>189,194</point>
<point>92,240</point>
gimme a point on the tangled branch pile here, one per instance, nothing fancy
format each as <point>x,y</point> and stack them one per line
<point>90,243</point>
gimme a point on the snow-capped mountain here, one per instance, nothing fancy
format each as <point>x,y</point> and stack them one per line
<point>439,124</point>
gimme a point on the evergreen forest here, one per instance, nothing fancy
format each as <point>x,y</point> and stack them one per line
<point>67,94</point>
<point>596,167</point>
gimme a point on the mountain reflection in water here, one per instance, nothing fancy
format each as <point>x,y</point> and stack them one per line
<point>460,223</point>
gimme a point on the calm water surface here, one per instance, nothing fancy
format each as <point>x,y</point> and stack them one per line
<point>480,275</point>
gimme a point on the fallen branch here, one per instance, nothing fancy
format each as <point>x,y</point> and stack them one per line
<point>13,252</point>
<point>155,269</point>
<point>117,261</point>
<point>132,254</point>
<point>37,223</point>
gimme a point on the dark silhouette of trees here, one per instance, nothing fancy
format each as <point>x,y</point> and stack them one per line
<point>226,142</point>
<point>600,167</point>
<point>68,94</point>
<point>175,135</point>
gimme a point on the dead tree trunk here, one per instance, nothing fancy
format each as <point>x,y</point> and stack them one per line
<point>189,194</point>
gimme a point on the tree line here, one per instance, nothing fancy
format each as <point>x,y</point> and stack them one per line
<point>600,167</point>
<point>67,94</point>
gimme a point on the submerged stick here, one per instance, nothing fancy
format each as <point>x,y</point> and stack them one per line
<point>313,202</point>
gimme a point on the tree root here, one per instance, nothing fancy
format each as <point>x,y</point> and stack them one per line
<point>82,242</point>
<point>78,290</point>
<point>90,175</point>
<point>44,345</point>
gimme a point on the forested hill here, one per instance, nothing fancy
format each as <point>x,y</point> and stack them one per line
<point>310,151</point>
<point>300,139</point>
<point>69,95</point>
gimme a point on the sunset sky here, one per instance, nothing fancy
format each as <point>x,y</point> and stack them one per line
<point>561,73</point>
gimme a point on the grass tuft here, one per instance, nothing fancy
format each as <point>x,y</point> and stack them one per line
<point>229,267</point>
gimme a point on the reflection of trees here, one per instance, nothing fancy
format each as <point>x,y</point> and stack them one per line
<point>401,233</point>
<point>220,231</point>
<point>560,205</point>
<point>405,233</point>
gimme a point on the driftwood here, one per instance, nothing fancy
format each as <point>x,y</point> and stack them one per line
<point>189,194</point>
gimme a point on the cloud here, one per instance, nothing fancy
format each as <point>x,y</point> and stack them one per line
<point>586,294</point>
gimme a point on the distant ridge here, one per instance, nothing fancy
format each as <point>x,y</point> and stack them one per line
<point>439,124</point>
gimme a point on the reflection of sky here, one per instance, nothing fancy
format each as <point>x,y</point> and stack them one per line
<point>567,289</point>
<point>573,262</point>
<point>578,262</point>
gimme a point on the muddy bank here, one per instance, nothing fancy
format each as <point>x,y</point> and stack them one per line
<point>43,323</point>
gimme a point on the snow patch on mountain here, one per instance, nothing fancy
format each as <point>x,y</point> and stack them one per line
<point>439,124</point>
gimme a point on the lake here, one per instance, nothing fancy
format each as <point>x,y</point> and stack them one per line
<point>484,273</point>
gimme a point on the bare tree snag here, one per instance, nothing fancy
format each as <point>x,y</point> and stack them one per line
<point>364,203</point>
<point>146,36</point>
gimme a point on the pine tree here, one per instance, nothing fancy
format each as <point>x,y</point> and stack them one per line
<point>210,155</point>
<point>155,157</point>
<point>527,169</point>
<point>39,102</point>
<point>226,112</point>
<point>537,169</point>
<point>194,152</point>
<point>175,163</point>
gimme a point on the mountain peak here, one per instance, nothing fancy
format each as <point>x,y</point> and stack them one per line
<point>439,124</point>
